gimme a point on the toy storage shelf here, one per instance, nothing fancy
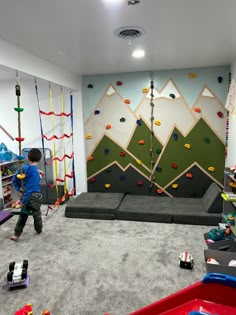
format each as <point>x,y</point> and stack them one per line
<point>229,197</point>
<point>7,171</point>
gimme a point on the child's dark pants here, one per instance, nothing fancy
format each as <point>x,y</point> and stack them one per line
<point>33,205</point>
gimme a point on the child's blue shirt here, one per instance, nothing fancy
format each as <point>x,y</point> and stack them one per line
<point>31,182</point>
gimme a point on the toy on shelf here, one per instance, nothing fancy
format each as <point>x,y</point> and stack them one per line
<point>212,261</point>
<point>17,275</point>
<point>186,260</point>
<point>219,234</point>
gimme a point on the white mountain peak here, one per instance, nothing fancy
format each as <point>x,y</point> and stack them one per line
<point>110,90</point>
<point>206,92</point>
<point>168,89</point>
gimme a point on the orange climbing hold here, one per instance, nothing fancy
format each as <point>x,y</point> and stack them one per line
<point>108,127</point>
<point>127,101</point>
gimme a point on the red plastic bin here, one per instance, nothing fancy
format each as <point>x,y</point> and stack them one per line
<point>215,294</point>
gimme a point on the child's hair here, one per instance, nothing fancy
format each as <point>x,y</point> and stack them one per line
<point>34,155</point>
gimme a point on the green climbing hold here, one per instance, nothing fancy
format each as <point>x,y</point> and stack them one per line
<point>158,151</point>
<point>19,109</point>
<point>108,170</point>
<point>122,119</point>
<point>172,95</point>
<point>207,140</point>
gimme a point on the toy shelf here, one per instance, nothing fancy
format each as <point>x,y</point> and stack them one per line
<point>7,171</point>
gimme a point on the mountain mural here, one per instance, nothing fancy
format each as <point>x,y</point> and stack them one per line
<point>184,140</point>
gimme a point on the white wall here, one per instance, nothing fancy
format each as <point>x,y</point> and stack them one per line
<point>231,157</point>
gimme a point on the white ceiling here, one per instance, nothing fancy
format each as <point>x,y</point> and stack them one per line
<point>77,35</point>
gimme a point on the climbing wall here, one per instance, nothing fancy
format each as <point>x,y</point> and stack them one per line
<point>179,122</point>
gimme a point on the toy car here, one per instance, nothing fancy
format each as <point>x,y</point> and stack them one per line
<point>17,275</point>
<point>186,260</point>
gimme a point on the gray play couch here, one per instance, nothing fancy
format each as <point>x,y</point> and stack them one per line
<point>200,211</point>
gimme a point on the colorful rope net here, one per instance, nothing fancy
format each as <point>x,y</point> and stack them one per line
<point>63,171</point>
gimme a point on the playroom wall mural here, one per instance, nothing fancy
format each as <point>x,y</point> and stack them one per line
<point>161,133</point>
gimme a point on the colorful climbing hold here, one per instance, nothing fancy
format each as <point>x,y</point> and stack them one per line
<point>189,175</point>
<point>158,168</point>
<point>158,151</point>
<point>197,110</point>
<point>174,165</point>
<point>139,122</point>
<point>90,158</point>
<point>172,95</point>
<point>127,101</point>
<point>88,136</point>
<point>187,146</point>
<point>157,122</point>
<point>175,186</point>
<point>108,127</point>
<point>207,140</point>
<point>122,177</point>
<point>119,83</point>
<point>19,139</point>
<point>175,136</point>
<point>220,114</point>
<point>192,75</point>
<point>108,170</point>
<point>211,169</point>
<point>107,186</point>
<point>96,112</point>
<point>90,86</point>
<point>106,151</point>
<point>92,180</point>
<point>160,191</point>
<point>122,119</point>
<point>141,142</point>
<point>220,79</point>
<point>145,90</point>
<point>122,153</point>
<point>139,162</point>
<point>140,183</point>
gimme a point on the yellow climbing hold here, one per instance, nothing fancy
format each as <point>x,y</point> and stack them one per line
<point>157,122</point>
<point>211,169</point>
<point>139,162</point>
<point>107,185</point>
<point>187,146</point>
<point>145,90</point>
<point>89,136</point>
<point>192,75</point>
<point>175,186</point>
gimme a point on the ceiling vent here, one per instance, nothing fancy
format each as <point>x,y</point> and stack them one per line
<point>129,32</point>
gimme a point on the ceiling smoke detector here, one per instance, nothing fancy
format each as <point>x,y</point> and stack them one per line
<point>129,32</point>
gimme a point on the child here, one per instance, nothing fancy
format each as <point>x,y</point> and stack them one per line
<point>29,189</point>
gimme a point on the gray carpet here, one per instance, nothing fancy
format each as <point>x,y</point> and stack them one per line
<point>83,267</point>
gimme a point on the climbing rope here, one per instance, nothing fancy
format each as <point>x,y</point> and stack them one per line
<point>19,139</point>
<point>227,123</point>
<point>152,157</point>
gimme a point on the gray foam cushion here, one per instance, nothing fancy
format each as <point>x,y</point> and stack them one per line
<point>145,208</point>
<point>212,200</point>
<point>192,211</point>
<point>95,203</point>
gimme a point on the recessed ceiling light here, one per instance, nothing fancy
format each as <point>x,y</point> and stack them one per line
<point>138,53</point>
<point>113,1</point>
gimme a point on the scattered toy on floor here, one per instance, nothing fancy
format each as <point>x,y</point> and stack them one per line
<point>186,260</point>
<point>17,275</point>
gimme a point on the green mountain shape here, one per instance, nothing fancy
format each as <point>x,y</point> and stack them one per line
<point>102,160</point>
<point>142,152</point>
<point>205,154</point>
